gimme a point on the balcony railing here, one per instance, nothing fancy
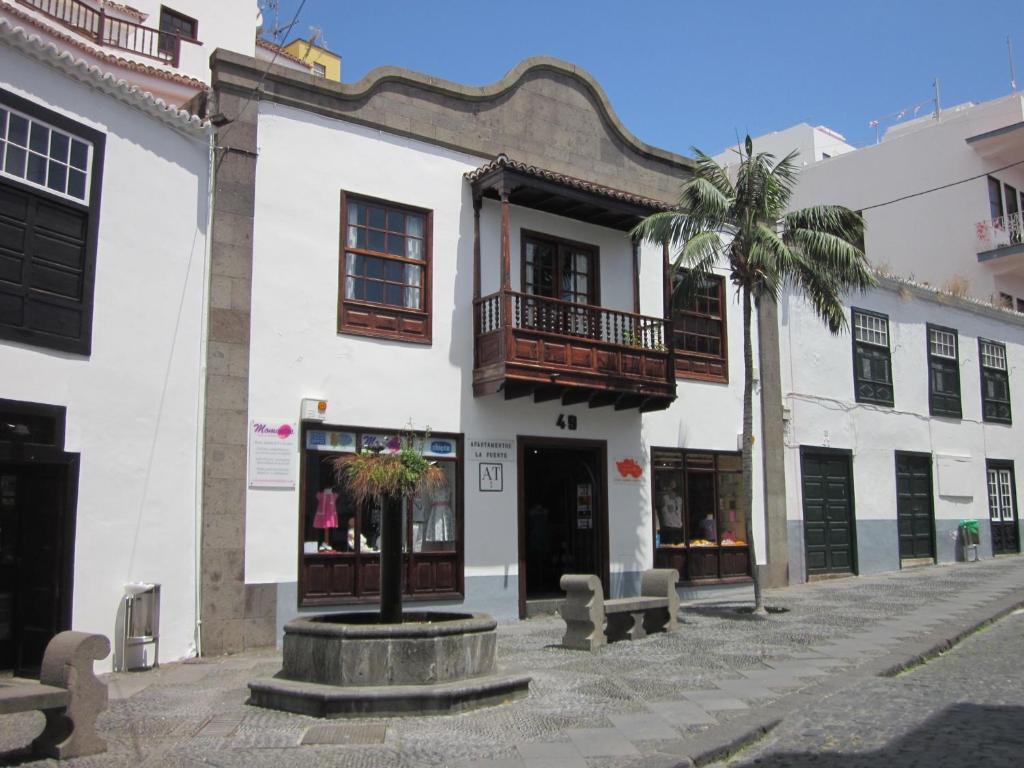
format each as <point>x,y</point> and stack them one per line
<point>542,342</point>
<point>113,33</point>
<point>1001,232</point>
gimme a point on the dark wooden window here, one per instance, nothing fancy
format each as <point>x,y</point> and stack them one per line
<point>699,527</point>
<point>995,382</point>
<point>943,372</point>
<point>173,23</point>
<point>995,198</point>
<point>384,272</point>
<point>699,332</point>
<point>872,360</point>
<point>560,269</point>
<point>339,560</point>
<point>50,180</point>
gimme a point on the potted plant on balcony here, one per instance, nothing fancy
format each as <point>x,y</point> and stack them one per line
<point>386,477</point>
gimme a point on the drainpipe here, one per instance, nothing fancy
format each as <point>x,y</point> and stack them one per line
<point>201,400</point>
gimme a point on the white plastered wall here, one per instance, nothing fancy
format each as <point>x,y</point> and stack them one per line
<point>305,160</point>
<point>818,386</point>
<point>132,405</point>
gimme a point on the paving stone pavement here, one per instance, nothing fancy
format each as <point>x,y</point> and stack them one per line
<point>650,702</point>
<point>965,707</point>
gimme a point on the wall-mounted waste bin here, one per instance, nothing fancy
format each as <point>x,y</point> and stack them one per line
<point>141,626</point>
<point>970,536</point>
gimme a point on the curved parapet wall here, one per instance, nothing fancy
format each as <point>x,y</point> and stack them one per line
<point>544,112</point>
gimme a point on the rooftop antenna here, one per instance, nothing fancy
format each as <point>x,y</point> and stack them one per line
<point>1013,74</point>
<point>938,99</point>
<point>272,28</point>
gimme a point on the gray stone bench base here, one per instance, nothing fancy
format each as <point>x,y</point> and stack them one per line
<point>586,613</point>
<point>68,694</point>
<point>319,700</point>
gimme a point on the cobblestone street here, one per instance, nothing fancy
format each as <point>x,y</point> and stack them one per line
<point>659,701</point>
<point>963,708</point>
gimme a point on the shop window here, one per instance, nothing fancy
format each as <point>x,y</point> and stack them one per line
<point>698,331</point>
<point>995,382</point>
<point>943,372</point>
<point>50,170</point>
<point>698,522</point>
<point>872,361</point>
<point>384,274</point>
<point>340,546</point>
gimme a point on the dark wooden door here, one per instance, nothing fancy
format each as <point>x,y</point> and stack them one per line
<point>1002,507</point>
<point>915,513</point>
<point>828,512</point>
<point>32,563</point>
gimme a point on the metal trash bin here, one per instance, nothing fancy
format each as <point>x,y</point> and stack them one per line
<point>141,647</point>
<point>970,535</point>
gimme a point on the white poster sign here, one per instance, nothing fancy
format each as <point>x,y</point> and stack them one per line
<point>273,453</point>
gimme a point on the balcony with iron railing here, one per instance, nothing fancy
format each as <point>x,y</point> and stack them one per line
<point>110,32</point>
<point>552,349</point>
<point>1000,236</point>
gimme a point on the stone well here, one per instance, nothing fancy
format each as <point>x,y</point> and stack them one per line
<point>350,665</point>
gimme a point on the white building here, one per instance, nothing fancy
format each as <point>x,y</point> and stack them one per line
<point>485,288</point>
<point>104,220</point>
<point>812,143</point>
<point>901,436</point>
<point>941,198</point>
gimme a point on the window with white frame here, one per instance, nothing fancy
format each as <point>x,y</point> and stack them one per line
<point>40,155</point>
<point>872,362</point>
<point>943,372</point>
<point>1000,495</point>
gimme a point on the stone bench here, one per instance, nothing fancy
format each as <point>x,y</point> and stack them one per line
<point>68,693</point>
<point>591,621</point>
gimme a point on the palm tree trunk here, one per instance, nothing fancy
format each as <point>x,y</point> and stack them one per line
<point>391,561</point>
<point>748,448</point>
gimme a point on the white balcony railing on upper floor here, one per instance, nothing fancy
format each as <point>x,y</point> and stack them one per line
<point>1001,232</point>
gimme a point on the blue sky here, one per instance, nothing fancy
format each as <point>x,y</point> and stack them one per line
<point>690,73</point>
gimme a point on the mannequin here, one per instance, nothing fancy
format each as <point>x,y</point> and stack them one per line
<point>670,512</point>
<point>326,516</point>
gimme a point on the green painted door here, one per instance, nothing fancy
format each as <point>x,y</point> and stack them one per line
<point>828,512</point>
<point>915,513</point>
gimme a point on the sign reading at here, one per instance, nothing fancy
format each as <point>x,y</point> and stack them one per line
<point>492,450</point>
<point>491,478</point>
<point>273,453</point>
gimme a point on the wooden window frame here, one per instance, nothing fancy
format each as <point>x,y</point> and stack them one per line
<point>182,17</point>
<point>702,366</point>
<point>358,317</point>
<point>91,209</point>
<point>409,557</point>
<point>876,351</point>
<point>560,243</point>
<point>937,400</point>
<point>989,405</point>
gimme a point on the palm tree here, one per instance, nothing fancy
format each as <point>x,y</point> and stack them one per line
<point>737,216</point>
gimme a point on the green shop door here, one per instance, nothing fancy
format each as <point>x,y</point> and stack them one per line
<point>828,511</point>
<point>915,512</point>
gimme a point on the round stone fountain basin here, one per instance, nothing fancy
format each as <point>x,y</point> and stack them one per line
<point>353,649</point>
<point>348,665</point>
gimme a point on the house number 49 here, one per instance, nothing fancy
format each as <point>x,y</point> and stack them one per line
<point>566,422</point>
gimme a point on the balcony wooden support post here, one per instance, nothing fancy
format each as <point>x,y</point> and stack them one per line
<point>636,277</point>
<point>507,321</point>
<point>477,204</point>
<point>668,331</point>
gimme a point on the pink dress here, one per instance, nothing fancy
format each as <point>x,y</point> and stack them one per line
<point>326,509</point>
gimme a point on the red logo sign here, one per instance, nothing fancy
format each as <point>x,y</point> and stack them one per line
<point>629,468</point>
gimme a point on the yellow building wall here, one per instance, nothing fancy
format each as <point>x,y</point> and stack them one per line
<point>314,54</point>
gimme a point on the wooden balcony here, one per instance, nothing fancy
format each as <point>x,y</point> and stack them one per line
<point>533,345</point>
<point>110,32</point>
